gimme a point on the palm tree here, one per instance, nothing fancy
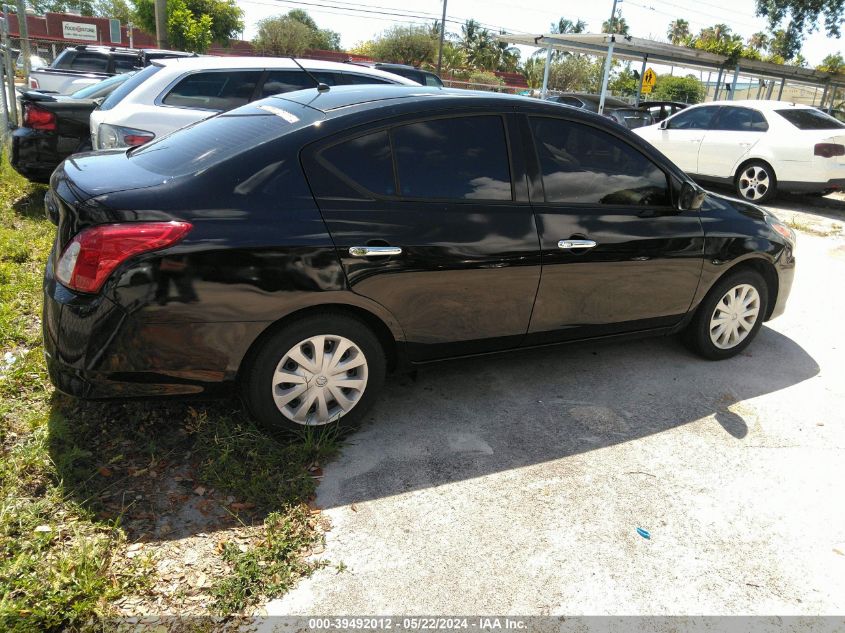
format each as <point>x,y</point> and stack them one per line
<point>758,41</point>
<point>616,25</point>
<point>479,46</point>
<point>568,26</point>
<point>678,31</point>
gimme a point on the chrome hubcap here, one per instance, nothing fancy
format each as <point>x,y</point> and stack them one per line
<point>319,380</point>
<point>754,182</point>
<point>734,316</point>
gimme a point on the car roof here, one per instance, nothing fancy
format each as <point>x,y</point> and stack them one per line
<point>345,96</point>
<point>209,62</point>
<point>760,104</point>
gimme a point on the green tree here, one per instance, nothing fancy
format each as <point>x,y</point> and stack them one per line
<point>625,82</point>
<point>833,63</point>
<point>672,88</point>
<point>759,41</point>
<point>783,45</point>
<point>193,25</point>
<point>83,7</point>
<point>282,36</point>
<point>454,58</point>
<point>292,34</point>
<point>323,39</point>
<point>479,46</point>
<point>719,39</point>
<point>576,73</point>
<point>801,17</point>
<point>412,45</point>
<point>678,32</point>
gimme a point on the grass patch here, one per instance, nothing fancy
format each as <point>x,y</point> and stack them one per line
<point>81,481</point>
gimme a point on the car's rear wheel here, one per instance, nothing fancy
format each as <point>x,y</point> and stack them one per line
<point>756,182</point>
<point>730,316</point>
<point>317,371</point>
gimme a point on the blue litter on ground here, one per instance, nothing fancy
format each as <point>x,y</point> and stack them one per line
<point>643,533</point>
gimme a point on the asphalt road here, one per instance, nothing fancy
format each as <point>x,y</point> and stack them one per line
<point>516,485</point>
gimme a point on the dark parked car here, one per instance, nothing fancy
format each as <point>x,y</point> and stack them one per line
<point>660,110</point>
<point>616,109</point>
<point>55,126</point>
<point>301,246</point>
<point>422,77</point>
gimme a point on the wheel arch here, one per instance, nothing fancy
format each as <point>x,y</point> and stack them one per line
<point>386,336</point>
<point>764,267</point>
<point>747,160</point>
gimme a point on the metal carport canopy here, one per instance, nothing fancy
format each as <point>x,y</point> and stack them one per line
<point>639,49</point>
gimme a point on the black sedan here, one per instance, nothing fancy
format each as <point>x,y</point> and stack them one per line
<point>615,109</point>
<point>302,246</point>
<point>56,126</point>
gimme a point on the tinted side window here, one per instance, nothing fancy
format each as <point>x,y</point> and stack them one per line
<point>459,158</point>
<point>585,165</point>
<point>366,161</point>
<point>694,119</point>
<point>214,90</point>
<point>90,62</point>
<point>736,119</point>
<point>432,80</point>
<point>64,59</point>
<point>128,86</point>
<point>279,81</point>
<point>810,119</point>
<point>363,79</point>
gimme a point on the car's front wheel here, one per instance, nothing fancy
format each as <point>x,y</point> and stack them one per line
<point>317,371</point>
<point>756,182</point>
<point>729,317</point>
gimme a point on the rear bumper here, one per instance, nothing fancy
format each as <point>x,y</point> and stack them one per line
<point>95,349</point>
<point>33,153</point>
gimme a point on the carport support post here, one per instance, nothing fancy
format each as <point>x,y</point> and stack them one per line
<point>642,76</point>
<point>606,75</point>
<point>824,95</point>
<point>771,88</point>
<point>718,84</point>
<point>10,72</point>
<point>780,90</point>
<point>733,83</point>
<point>545,89</point>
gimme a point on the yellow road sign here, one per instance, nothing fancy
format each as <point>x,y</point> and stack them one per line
<point>649,79</point>
<point>646,89</point>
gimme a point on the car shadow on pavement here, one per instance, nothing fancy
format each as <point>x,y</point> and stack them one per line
<point>472,418</point>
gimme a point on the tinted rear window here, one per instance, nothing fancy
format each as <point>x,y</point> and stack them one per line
<point>810,119</point>
<point>213,141</point>
<point>102,88</point>
<point>128,86</point>
<point>216,90</point>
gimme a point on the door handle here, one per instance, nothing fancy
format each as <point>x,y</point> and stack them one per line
<point>374,251</point>
<point>571,244</point>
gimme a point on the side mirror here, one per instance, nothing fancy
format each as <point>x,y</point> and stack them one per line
<point>664,124</point>
<point>691,197</point>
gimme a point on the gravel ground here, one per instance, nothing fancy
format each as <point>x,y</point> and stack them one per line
<point>516,485</point>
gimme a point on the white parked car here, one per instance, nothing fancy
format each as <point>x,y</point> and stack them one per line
<point>759,147</point>
<point>172,93</point>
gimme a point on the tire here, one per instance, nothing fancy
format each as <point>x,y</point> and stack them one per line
<point>703,335</point>
<point>335,397</point>
<point>756,182</point>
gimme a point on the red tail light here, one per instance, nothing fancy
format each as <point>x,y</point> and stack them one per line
<point>133,140</point>
<point>37,118</point>
<point>829,150</point>
<point>33,83</point>
<point>94,253</point>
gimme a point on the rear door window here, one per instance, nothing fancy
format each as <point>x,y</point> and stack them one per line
<point>736,119</point>
<point>125,64</point>
<point>453,159</point>
<point>350,78</point>
<point>218,90</point>
<point>128,86</point>
<point>584,165</point>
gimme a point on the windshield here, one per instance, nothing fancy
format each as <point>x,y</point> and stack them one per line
<point>810,119</point>
<point>102,88</point>
<point>126,87</point>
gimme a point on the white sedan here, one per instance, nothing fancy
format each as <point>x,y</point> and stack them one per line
<point>172,93</point>
<point>759,147</point>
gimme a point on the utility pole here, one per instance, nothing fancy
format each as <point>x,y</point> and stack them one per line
<point>161,23</point>
<point>10,71</point>
<point>609,59</point>
<point>442,37</point>
<point>131,39</point>
<point>23,30</point>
